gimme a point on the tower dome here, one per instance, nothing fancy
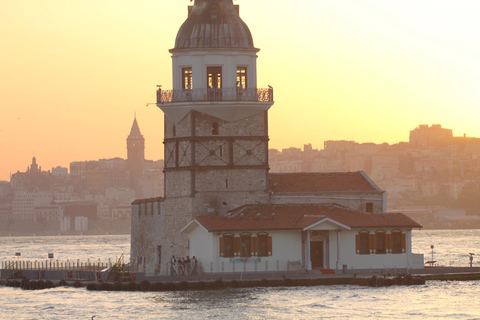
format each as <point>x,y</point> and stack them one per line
<point>214,24</point>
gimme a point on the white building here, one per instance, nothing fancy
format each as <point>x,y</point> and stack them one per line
<point>281,237</point>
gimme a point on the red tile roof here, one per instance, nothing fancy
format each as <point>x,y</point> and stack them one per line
<point>298,217</point>
<point>321,182</point>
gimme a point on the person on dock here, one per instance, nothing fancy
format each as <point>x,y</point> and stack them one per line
<point>173,266</point>
<point>194,265</point>
<point>181,266</point>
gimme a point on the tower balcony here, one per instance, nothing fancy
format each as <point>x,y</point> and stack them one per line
<point>203,95</point>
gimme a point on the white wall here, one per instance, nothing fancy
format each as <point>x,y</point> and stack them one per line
<point>353,260</point>
<point>228,60</point>
<point>286,246</point>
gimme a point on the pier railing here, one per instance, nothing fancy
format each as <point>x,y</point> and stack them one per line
<point>214,94</point>
<point>56,265</point>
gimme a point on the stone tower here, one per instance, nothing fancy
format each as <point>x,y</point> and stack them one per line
<point>135,155</point>
<point>215,131</point>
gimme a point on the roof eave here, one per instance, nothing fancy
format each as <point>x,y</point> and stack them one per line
<point>192,225</point>
<point>340,225</point>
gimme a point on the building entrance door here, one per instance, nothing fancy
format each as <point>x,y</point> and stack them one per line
<point>316,254</point>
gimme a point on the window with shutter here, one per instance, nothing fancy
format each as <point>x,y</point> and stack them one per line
<point>381,247</point>
<point>372,243</point>
<point>236,246</point>
<point>363,242</point>
<point>269,246</point>
<point>262,245</point>
<point>389,242</point>
<point>396,241</point>
<point>226,246</point>
<point>245,240</point>
<point>253,246</point>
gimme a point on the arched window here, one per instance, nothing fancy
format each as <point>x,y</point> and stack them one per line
<point>215,129</point>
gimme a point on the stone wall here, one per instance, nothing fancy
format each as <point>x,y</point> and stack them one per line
<point>148,222</point>
<point>251,126</point>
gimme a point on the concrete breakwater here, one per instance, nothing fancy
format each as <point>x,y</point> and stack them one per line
<point>219,283</point>
<point>108,277</point>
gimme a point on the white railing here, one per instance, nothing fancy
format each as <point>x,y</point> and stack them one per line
<point>231,265</point>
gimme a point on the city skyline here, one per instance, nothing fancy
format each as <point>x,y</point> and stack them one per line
<point>75,73</point>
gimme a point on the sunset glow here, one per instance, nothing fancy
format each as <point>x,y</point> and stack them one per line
<point>73,73</point>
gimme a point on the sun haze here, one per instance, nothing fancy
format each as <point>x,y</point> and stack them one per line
<point>73,73</point>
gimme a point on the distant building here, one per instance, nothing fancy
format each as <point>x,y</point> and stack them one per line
<point>33,179</point>
<point>427,136</point>
<point>97,176</point>
<point>60,172</point>
<point>5,217</point>
<point>24,204</point>
<point>5,189</point>
<point>135,156</point>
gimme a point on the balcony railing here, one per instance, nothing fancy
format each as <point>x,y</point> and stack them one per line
<point>214,94</point>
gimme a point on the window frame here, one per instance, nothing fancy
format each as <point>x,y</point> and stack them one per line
<point>262,244</point>
<point>187,78</point>
<point>227,241</point>
<point>380,238</point>
<point>242,81</point>
<point>397,239</point>
<point>363,242</point>
<point>245,245</point>
<point>369,207</point>
<point>215,129</point>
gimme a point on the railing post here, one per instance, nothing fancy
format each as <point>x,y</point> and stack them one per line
<point>159,95</point>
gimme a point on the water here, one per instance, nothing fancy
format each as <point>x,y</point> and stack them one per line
<point>440,300</point>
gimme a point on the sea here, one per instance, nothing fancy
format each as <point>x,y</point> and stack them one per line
<point>435,299</point>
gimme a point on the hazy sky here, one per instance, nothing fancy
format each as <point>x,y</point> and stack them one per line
<point>74,72</point>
